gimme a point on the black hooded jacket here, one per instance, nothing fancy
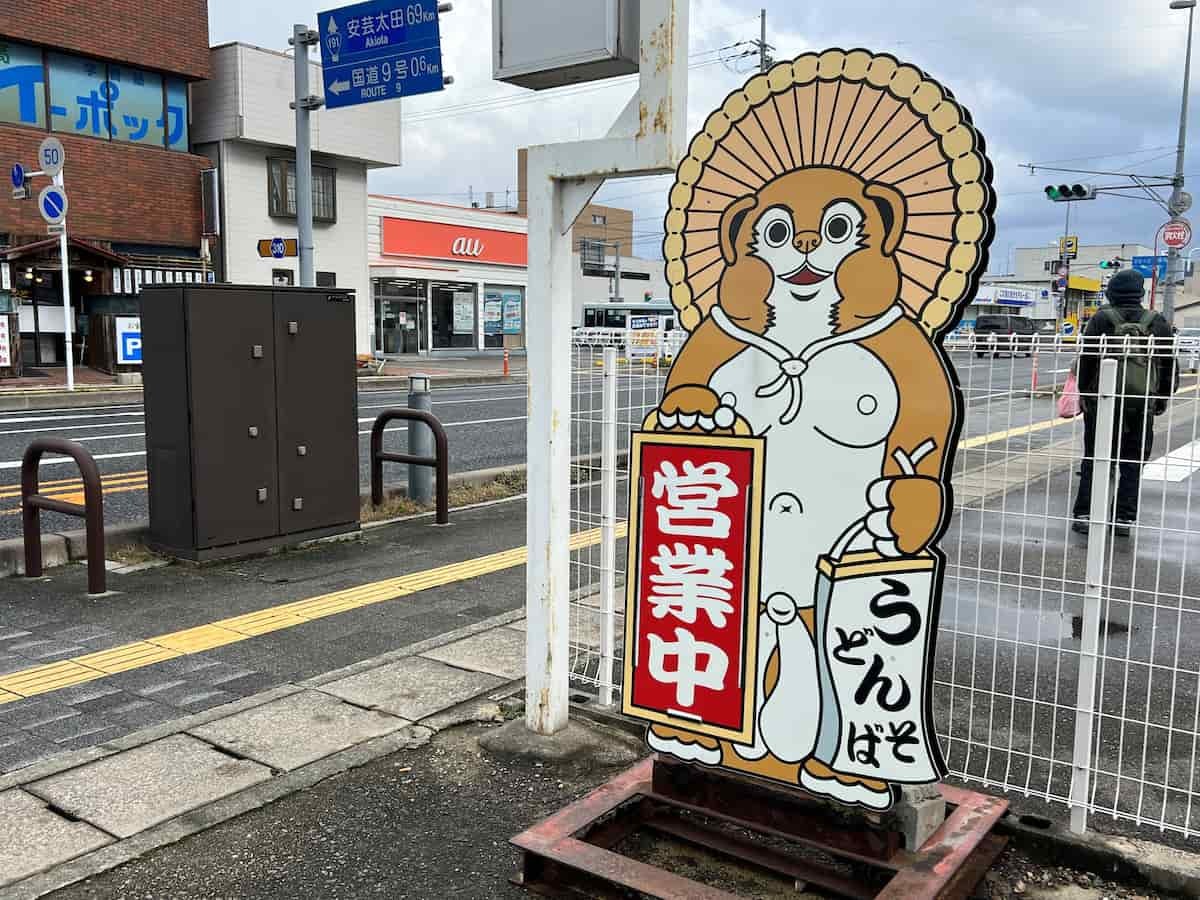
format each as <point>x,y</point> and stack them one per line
<point>1130,309</point>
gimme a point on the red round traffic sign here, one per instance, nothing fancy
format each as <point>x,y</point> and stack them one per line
<point>1177,234</point>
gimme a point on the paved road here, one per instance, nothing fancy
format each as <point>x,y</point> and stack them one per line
<point>486,425</point>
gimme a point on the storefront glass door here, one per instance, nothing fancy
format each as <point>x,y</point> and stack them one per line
<point>401,317</point>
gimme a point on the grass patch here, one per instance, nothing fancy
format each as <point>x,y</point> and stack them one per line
<point>508,484</point>
<point>131,555</point>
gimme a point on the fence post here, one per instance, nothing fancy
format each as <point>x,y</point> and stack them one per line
<point>608,524</point>
<point>1093,594</point>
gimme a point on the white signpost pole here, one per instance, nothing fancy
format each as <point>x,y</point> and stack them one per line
<point>68,324</point>
<point>562,180</point>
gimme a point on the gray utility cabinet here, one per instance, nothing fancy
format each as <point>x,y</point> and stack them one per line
<point>251,417</point>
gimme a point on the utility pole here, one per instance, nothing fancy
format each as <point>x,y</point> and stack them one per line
<point>764,59</point>
<point>1175,207</point>
<point>302,38</point>
<point>617,271</point>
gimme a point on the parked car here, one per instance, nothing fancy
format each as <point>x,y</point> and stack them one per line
<point>996,334</point>
<point>1187,348</point>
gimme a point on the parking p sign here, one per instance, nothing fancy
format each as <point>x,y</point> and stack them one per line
<point>129,340</point>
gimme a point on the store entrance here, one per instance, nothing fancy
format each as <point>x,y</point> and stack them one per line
<point>401,324</point>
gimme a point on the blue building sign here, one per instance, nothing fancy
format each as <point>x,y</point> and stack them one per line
<point>22,85</point>
<point>380,50</point>
<point>1145,265</point>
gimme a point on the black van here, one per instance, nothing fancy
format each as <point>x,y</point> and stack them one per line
<point>996,334</point>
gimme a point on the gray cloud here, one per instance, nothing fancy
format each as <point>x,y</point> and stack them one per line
<point>1042,82</point>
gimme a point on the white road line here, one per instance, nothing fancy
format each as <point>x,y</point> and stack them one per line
<point>1178,465</point>
<point>84,409</point>
<point>24,420</point>
<point>46,428</point>
<point>63,460</point>
<point>109,437</point>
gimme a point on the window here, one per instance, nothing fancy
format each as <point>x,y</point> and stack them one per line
<point>79,94</point>
<point>599,220</point>
<point>283,277</point>
<point>327,279</point>
<point>281,190</point>
<point>111,102</point>
<point>22,85</point>
<point>135,99</point>
<point>177,115</point>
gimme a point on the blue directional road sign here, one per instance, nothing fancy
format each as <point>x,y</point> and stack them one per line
<point>278,247</point>
<point>52,203</point>
<point>380,50</point>
<point>1146,265</point>
<point>18,175</point>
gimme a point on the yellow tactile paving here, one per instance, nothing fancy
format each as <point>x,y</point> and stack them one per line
<point>126,657</point>
<point>52,676</point>
<point>48,677</point>
<point>260,622</point>
<point>194,640</point>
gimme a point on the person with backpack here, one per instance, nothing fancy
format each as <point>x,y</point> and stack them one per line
<point>1145,380</point>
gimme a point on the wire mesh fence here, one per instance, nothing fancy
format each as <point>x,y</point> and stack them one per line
<point>1068,654</point>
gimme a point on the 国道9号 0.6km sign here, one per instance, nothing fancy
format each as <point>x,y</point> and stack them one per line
<point>1177,234</point>
<point>380,50</point>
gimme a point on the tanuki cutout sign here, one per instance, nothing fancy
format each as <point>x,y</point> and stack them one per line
<point>824,232</point>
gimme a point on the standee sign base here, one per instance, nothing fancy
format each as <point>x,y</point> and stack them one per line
<point>576,851</point>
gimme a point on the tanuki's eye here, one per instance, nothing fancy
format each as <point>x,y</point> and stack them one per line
<point>778,233</point>
<point>838,228</point>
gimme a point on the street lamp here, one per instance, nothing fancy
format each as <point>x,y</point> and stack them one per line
<point>1174,206</point>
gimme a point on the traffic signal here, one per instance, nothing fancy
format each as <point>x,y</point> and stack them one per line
<point>1114,263</point>
<point>1064,193</point>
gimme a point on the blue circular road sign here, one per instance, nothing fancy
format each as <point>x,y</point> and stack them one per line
<point>278,247</point>
<point>18,175</point>
<point>52,204</point>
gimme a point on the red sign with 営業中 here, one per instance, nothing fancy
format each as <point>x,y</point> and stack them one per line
<point>692,605</point>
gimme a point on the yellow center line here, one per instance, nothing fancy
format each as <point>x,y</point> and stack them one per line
<point>53,676</point>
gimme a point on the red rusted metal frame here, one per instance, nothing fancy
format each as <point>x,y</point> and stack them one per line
<point>950,847</point>
<point>569,849</point>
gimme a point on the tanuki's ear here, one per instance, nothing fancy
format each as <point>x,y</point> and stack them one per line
<point>731,223</point>
<point>892,210</point>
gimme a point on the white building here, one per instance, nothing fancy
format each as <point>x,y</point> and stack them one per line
<point>242,121</point>
<point>445,278</point>
<point>451,279</point>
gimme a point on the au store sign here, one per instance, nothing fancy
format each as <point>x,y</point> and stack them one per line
<point>436,240</point>
<point>380,50</point>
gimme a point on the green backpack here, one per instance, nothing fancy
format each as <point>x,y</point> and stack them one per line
<point>1137,377</point>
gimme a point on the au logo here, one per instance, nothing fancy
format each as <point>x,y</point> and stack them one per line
<point>824,232</point>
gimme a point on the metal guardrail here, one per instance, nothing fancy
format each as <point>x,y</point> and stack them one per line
<point>92,510</point>
<point>440,461</point>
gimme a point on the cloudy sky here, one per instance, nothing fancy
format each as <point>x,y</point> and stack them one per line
<point>1092,85</point>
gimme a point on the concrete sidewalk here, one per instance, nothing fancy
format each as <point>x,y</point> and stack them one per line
<point>176,640</point>
<point>80,813</point>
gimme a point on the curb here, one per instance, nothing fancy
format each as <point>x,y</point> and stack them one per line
<point>54,398</point>
<point>368,383</point>
<point>1122,859</point>
<point>119,395</point>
